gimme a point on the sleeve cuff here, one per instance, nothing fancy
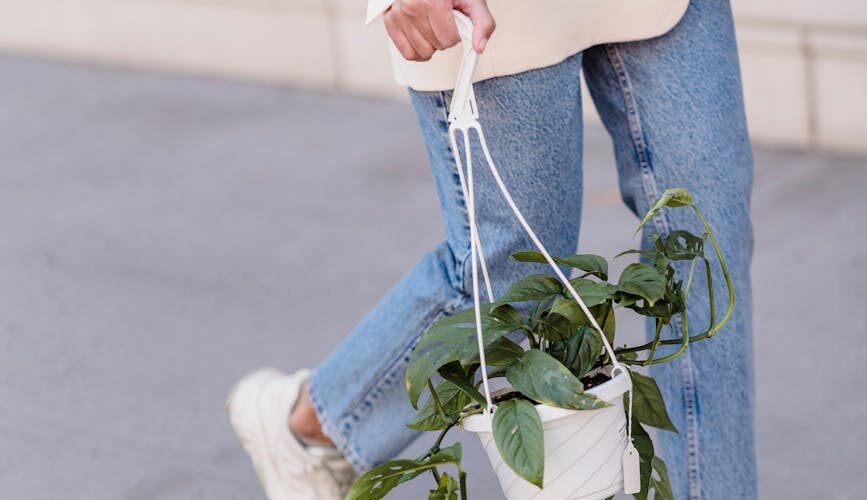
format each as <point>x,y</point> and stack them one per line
<point>375,8</point>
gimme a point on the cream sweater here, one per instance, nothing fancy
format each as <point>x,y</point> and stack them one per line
<point>537,33</point>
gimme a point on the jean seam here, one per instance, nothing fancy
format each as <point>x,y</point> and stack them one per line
<point>662,225</point>
<point>444,107</point>
<point>463,257</point>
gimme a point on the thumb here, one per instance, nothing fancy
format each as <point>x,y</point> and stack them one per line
<point>483,21</point>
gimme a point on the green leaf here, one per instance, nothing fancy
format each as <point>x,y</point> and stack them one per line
<point>644,445</point>
<point>507,315</point>
<point>655,254</point>
<point>520,439</point>
<point>447,489</point>
<point>674,197</point>
<point>453,338</point>
<point>589,263</point>
<point>531,256</point>
<point>682,245</point>
<point>502,352</point>
<point>580,352</point>
<point>453,400</point>
<point>643,281</point>
<point>569,309</point>
<point>454,373</point>
<point>663,484</point>
<point>591,292</point>
<point>533,287</point>
<point>627,299</point>
<point>648,406</point>
<point>608,322</point>
<point>542,378</point>
<point>558,328</point>
<point>627,356</point>
<point>671,304</point>
<point>379,481</point>
<point>589,349</point>
<point>632,251</point>
<point>562,320</point>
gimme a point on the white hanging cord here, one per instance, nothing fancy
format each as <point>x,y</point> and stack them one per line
<point>467,193</point>
<point>464,96</point>
<point>463,117</point>
<point>542,249</point>
<point>467,189</point>
<point>628,411</point>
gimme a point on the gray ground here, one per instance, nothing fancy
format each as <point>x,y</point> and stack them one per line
<point>163,235</point>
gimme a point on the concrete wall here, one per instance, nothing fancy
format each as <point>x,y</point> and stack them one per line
<point>804,62</point>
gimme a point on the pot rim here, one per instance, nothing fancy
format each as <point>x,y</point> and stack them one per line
<point>609,391</point>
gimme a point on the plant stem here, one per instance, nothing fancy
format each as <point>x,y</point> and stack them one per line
<point>462,480</point>
<point>530,337</point>
<point>722,263</point>
<point>655,341</point>
<point>439,441</point>
<point>474,411</point>
<point>712,330</point>
<point>679,351</point>
<point>438,406</point>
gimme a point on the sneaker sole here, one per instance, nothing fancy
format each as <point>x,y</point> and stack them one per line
<point>242,405</point>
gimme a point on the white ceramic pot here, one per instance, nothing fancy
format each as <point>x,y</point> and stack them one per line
<point>583,449</point>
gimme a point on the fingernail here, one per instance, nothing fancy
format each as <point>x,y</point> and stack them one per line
<point>482,43</point>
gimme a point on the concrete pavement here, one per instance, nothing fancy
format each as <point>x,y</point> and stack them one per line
<point>163,235</point>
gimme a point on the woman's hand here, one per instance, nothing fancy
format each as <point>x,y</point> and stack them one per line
<point>419,28</point>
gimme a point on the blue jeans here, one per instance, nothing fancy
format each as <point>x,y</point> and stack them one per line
<point>673,106</point>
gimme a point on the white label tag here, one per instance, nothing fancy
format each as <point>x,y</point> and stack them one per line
<point>631,470</point>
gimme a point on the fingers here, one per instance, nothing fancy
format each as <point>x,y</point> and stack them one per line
<point>483,28</point>
<point>419,28</point>
<point>424,27</point>
<point>399,39</point>
<point>420,43</point>
<point>483,22</point>
<point>394,23</point>
<point>400,24</point>
<point>442,23</point>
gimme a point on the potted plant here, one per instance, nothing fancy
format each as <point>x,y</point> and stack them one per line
<point>560,427</point>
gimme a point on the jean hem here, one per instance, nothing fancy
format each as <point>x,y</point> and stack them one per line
<point>340,440</point>
<point>341,434</point>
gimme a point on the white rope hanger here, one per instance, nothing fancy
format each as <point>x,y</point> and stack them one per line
<point>463,117</point>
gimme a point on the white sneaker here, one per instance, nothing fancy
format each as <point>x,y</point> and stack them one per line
<point>259,407</point>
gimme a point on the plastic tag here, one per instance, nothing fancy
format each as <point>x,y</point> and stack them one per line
<point>631,470</point>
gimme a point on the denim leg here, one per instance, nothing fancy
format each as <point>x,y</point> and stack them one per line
<point>674,109</point>
<point>533,125</point>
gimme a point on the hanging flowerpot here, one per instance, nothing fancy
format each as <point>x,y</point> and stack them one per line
<point>583,449</point>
